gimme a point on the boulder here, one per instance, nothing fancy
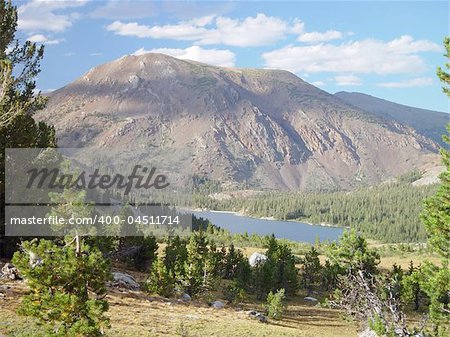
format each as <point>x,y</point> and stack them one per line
<point>9,271</point>
<point>310,299</point>
<point>257,258</point>
<point>125,281</point>
<point>186,298</point>
<point>217,304</point>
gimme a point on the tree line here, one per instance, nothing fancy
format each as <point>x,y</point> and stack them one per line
<point>388,212</point>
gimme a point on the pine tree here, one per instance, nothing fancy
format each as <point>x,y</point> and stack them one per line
<point>175,256</point>
<point>19,66</point>
<point>436,217</point>
<point>311,270</point>
<point>67,286</point>
<point>195,271</point>
<point>160,280</point>
<point>352,255</point>
<point>443,75</point>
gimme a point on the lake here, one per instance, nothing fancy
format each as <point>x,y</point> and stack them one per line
<point>291,230</point>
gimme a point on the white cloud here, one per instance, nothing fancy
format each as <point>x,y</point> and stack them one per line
<point>320,37</point>
<point>45,15</point>
<point>347,80</point>
<point>249,32</point>
<point>216,57</point>
<point>413,82</point>
<point>182,31</point>
<point>39,38</point>
<point>360,57</point>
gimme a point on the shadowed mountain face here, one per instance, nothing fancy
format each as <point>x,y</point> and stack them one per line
<point>428,123</point>
<point>259,128</point>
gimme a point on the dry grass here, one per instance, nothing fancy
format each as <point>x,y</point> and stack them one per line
<point>134,313</point>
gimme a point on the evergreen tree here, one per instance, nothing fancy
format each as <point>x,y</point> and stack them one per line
<point>310,270</point>
<point>352,255</point>
<point>443,75</point>
<point>19,66</point>
<point>195,271</point>
<point>175,256</point>
<point>411,285</point>
<point>160,280</point>
<point>67,286</point>
<point>330,275</point>
<point>436,217</point>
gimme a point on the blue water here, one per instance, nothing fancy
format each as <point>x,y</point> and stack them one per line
<point>291,230</point>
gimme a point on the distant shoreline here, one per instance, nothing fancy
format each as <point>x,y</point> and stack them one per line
<point>261,218</point>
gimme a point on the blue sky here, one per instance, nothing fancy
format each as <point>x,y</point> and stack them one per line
<point>382,48</point>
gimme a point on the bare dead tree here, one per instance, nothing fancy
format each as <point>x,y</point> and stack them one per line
<point>360,298</point>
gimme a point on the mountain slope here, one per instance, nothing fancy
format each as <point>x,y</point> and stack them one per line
<point>428,123</point>
<point>258,128</point>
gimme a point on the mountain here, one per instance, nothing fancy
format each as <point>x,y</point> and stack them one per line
<point>428,123</point>
<point>239,127</point>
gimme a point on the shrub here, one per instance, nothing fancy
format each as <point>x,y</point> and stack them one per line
<point>275,305</point>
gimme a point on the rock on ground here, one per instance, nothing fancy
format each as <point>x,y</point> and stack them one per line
<point>125,280</point>
<point>217,304</point>
<point>257,258</point>
<point>310,299</point>
<point>9,271</point>
<point>186,298</point>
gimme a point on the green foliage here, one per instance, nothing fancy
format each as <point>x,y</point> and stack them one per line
<point>435,282</point>
<point>160,280</point>
<point>352,254</point>
<point>311,270</point>
<point>394,282</point>
<point>443,75</point>
<point>411,286</point>
<point>195,274</point>
<point>330,275</point>
<point>175,256</point>
<point>277,272</point>
<point>19,66</point>
<point>377,325</point>
<point>275,306</point>
<point>234,292</point>
<point>235,266</point>
<point>283,261</point>
<point>66,286</point>
<point>70,203</point>
<point>436,213</point>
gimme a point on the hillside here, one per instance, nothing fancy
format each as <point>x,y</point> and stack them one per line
<point>241,127</point>
<point>430,124</point>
